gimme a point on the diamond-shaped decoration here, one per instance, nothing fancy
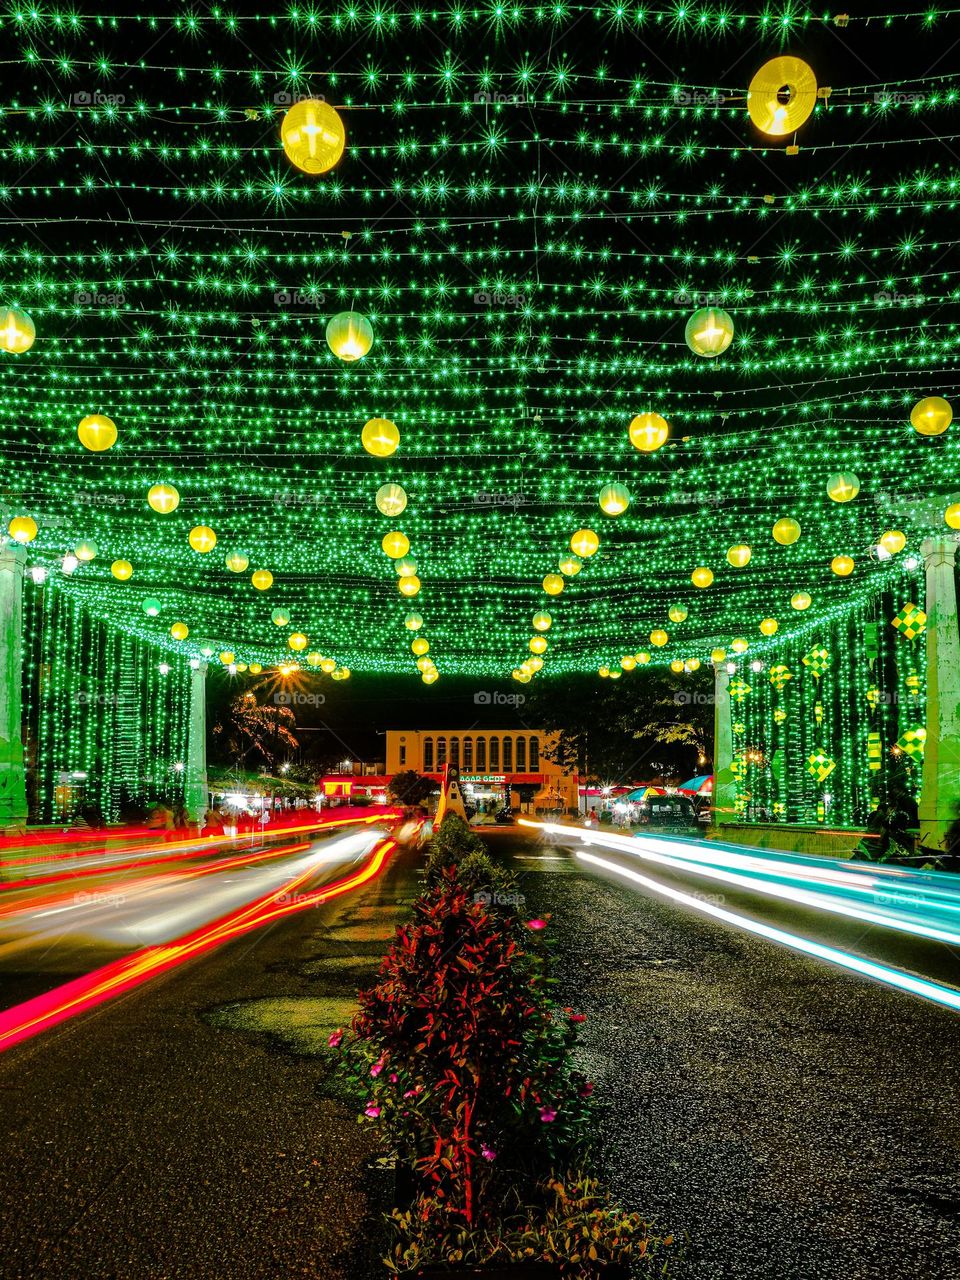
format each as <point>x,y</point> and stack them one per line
<point>738,690</point>
<point>913,741</point>
<point>820,766</point>
<point>779,715</point>
<point>780,673</point>
<point>873,697</point>
<point>817,660</point>
<point>910,621</point>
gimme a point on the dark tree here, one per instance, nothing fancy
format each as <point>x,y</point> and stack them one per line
<point>410,787</point>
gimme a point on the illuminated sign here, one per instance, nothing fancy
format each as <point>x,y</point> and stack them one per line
<point>484,777</point>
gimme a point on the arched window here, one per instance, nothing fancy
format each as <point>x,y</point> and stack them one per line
<point>481,755</point>
<point>428,755</point>
<point>468,755</point>
<point>534,754</point>
<point>455,752</point>
<point>508,755</point>
<point>521,754</point>
<point>441,752</point>
<point>494,755</point>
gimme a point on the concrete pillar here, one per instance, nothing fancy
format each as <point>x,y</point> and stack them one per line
<point>195,795</point>
<point>13,791</point>
<point>940,792</point>
<point>724,783</point>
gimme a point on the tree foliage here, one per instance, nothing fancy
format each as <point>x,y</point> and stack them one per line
<point>267,732</point>
<point>410,787</point>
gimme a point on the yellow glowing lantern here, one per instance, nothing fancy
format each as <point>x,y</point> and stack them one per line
<point>97,433</point>
<point>952,515</point>
<point>314,659</point>
<point>677,665</point>
<point>298,642</point>
<point>709,332</point>
<point>409,584</point>
<point>649,432</point>
<point>801,600</point>
<point>420,646</point>
<point>227,657</point>
<point>570,565</point>
<point>380,437</point>
<point>413,622</point>
<point>702,577</point>
<point>430,677</point>
<point>782,95</point>
<point>628,662</point>
<point>395,544</point>
<point>202,538</point>
<point>603,672</point>
<point>343,673</point>
<point>893,541</point>
<point>739,556</point>
<point>718,655</point>
<point>615,675</point>
<point>842,566</point>
<point>241,666</point>
<point>843,487</point>
<point>642,658</point>
<point>328,666</point>
<point>122,570</point>
<point>786,531</point>
<point>405,565</point>
<point>85,551</point>
<point>17,331</point>
<point>542,621</point>
<point>538,644</point>
<point>262,579</point>
<point>553,584</point>
<point>678,613</point>
<point>769,626</point>
<point>236,562</point>
<point>391,498</point>
<point>350,337</point>
<point>424,663</point>
<point>535,664</point>
<point>255,668</point>
<point>614,499</point>
<point>313,135</point>
<point>22,529</point>
<point>280,617</point>
<point>584,543</point>
<point>658,638</point>
<point>163,498</point>
<point>931,416</point>
<point>179,631</point>
<point>740,645</point>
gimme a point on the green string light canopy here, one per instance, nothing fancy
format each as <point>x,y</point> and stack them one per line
<point>352,315</point>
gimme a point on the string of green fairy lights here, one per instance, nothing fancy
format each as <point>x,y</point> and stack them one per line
<point>527,228</point>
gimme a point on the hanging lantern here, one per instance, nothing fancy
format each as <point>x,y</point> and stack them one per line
<point>163,498</point>
<point>179,631</point>
<point>381,437</point>
<point>648,432</point>
<point>425,664</point>
<point>678,613</point>
<point>676,665</point>
<point>22,529</point>
<point>122,570</point>
<point>430,677</point>
<point>702,577</point>
<point>202,538</point>
<point>313,136</point>
<point>280,617</point>
<point>614,499</point>
<point>769,626</point>
<point>786,531</point>
<point>718,655</point>
<point>782,96</point>
<point>615,675</point>
<point>413,622</point>
<point>570,565</point>
<point>843,487</point>
<point>542,621</point>
<point>553,584</point>
<point>910,621</point>
<point>151,607</point>
<point>740,645</point>
<point>405,565</point>
<point>298,642</point>
<point>739,556</point>
<point>913,741</point>
<point>535,664</point>
<point>341,673</point>
<point>262,579</point>
<point>328,666</point>
<point>17,331</point>
<point>642,658</point>
<point>395,544</point>
<point>350,337</point>
<point>97,433</point>
<point>658,637</point>
<point>738,690</point>
<point>391,499</point>
<point>584,543</point>
<point>692,664</point>
<point>842,566</point>
<point>628,662</point>
<point>780,673</point>
<point>893,541</point>
<point>820,766</point>
<point>709,332</point>
<point>420,646</point>
<point>314,658</point>
<point>255,668</point>
<point>952,515</point>
<point>801,600</point>
<point>236,562</point>
<point>931,416</point>
<point>603,672</point>
<point>520,675</point>
<point>538,644</point>
<point>228,657</point>
<point>409,584</point>
<point>817,660</point>
<point>85,551</point>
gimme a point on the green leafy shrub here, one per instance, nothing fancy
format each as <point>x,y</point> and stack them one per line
<point>452,841</point>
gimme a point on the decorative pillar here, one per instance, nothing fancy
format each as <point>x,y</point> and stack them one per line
<point>13,791</point>
<point>195,795</point>
<point>940,791</point>
<point>724,783</point>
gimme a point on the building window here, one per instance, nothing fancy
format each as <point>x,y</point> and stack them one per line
<point>494,755</point>
<point>521,754</point>
<point>481,755</point>
<point>428,755</point>
<point>468,755</point>
<point>441,752</point>
<point>508,755</point>
<point>455,752</point>
<point>534,754</point>
<point>403,755</point>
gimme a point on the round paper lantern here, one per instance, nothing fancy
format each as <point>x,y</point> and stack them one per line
<point>603,672</point>
<point>782,96</point>
<point>570,565</point>
<point>313,136</point>
<point>262,579</point>
<point>298,642</point>
<point>151,607</point>
<point>740,645</point>
<point>409,584</point>
<point>801,600</point>
<point>236,562</point>
<point>678,613</point>
<point>584,543</point>
<point>931,416</point>
<point>391,499</point>
<point>255,668</point>
<point>202,538</point>
<point>380,437</point>
<point>658,638</point>
<point>17,331</point>
<point>786,531</point>
<point>739,556</point>
<point>648,432</point>
<point>642,658</point>
<point>314,659</point>
<point>628,662</point>
<point>843,487</point>
<point>22,529</point>
<point>538,644</point>
<point>676,665</point>
<point>341,673</point>
<point>395,544</point>
<point>424,663</point>
<point>97,433</point>
<point>122,570</point>
<point>163,498</point>
<point>702,577</point>
<point>350,337</point>
<point>535,663</point>
<point>280,617</point>
<point>769,626</point>
<point>420,646</point>
<point>893,541</point>
<point>179,631</point>
<point>952,515</point>
<point>85,551</point>
<point>241,666</point>
<point>614,499</point>
<point>413,622</point>
<point>718,655</point>
<point>405,565</point>
<point>430,677</point>
<point>228,657</point>
<point>709,332</point>
<point>842,566</point>
<point>553,584</point>
<point>328,666</point>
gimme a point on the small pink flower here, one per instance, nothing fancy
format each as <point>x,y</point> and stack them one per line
<point>411,1093</point>
<point>336,1040</point>
<point>488,1153</point>
<point>578,1017</point>
<point>536,924</point>
<point>548,1115</point>
<point>394,1077</point>
<point>372,1111</point>
<point>376,1069</point>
